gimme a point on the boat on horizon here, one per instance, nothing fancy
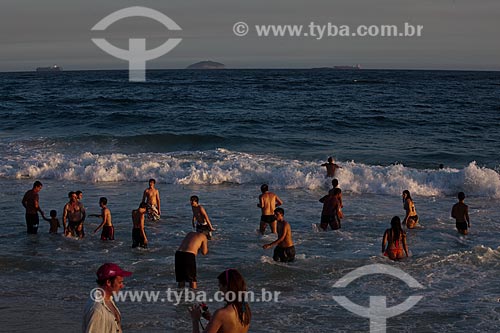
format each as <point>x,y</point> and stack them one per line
<point>53,68</point>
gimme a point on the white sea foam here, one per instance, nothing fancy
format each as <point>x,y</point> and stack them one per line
<point>222,167</point>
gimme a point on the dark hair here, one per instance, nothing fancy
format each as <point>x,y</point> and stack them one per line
<point>396,227</point>
<point>53,213</point>
<point>143,205</point>
<point>152,180</point>
<point>408,196</point>
<point>280,210</point>
<point>264,188</point>
<point>70,194</point>
<point>336,191</point>
<point>103,200</point>
<point>335,182</point>
<point>194,198</point>
<point>461,195</point>
<point>235,283</point>
<point>37,184</point>
<point>330,159</point>
<point>103,282</point>
<point>78,193</point>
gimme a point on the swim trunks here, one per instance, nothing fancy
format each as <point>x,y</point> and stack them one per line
<point>284,254</point>
<point>32,222</point>
<point>76,229</point>
<point>185,267</point>
<point>137,238</point>
<point>204,229</point>
<point>108,233</point>
<point>267,218</point>
<point>461,225</point>
<point>332,220</point>
<point>153,213</point>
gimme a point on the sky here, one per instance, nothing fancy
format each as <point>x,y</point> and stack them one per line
<point>456,34</point>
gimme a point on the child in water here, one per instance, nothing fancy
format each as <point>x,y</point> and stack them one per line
<point>54,221</point>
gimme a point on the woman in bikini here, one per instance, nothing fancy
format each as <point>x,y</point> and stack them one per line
<point>235,316</point>
<point>394,241</point>
<point>411,217</point>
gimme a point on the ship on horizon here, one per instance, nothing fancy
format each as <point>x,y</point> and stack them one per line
<point>53,68</point>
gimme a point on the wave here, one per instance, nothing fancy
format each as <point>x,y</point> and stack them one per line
<point>221,166</point>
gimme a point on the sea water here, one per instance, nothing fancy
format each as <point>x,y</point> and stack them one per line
<point>220,135</point>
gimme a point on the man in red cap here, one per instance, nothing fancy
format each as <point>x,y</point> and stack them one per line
<point>101,314</point>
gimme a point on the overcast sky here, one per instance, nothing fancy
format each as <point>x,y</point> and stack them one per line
<point>457,34</point>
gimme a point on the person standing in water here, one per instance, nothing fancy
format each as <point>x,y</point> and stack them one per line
<point>411,217</point>
<point>151,197</point>
<point>460,212</point>
<point>31,204</point>
<point>394,243</point>
<point>268,201</point>
<point>331,167</point>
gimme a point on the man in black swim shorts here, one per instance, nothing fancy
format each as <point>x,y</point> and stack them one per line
<point>284,250</point>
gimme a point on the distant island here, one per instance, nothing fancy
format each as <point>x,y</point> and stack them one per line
<point>207,65</point>
<point>54,68</point>
<point>341,67</point>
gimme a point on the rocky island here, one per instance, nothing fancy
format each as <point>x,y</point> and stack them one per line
<point>207,65</point>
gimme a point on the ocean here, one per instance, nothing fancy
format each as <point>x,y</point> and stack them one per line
<point>220,135</point>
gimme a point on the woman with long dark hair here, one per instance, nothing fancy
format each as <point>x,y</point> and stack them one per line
<point>411,217</point>
<point>394,241</point>
<point>236,315</point>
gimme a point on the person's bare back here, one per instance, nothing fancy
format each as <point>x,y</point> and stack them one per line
<point>460,212</point>
<point>268,202</point>
<point>226,320</point>
<point>193,242</point>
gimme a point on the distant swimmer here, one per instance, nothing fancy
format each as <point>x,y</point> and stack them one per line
<point>138,233</point>
<point>54,222</point>
<point>411,217</point>
<point>331,167</point>
<point>268,201</point>
<point>185,258</point>
<point>108,231</point>
<point>284,250</point>
<point>394,243</point>
<point>331,213</point>
<point>31,204</point>
<point>201,218</point>
<point>460,212</point>
<point>151,197</point>
<point>74,214</point>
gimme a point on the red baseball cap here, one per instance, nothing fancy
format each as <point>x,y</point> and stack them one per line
<point>109,270</point>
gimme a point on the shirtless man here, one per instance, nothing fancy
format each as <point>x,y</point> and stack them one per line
<point>74,213</point>
<point>460,212</point>
<point>31,204</point>
<point>185,258</point>
<point>331,167</point>
<point>284,250</point>
<point>268,201</point>
<point>138,234</point>
<point>200,216</point>
<point>151,197</point>
<point>108,231</point>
